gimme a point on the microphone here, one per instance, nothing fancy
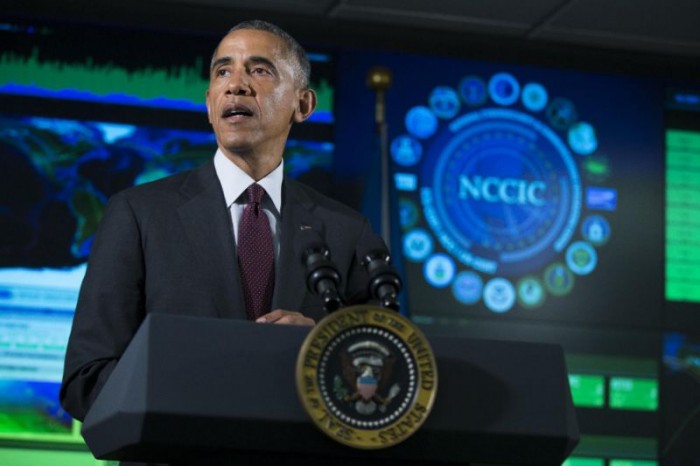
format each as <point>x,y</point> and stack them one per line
<point>384,281</point>
<point>322,277</point>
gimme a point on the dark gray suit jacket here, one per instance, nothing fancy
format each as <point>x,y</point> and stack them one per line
<point>168,247</point>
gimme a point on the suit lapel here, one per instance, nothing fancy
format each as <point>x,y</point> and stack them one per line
<point>208,225</point>
<point>290,288</point>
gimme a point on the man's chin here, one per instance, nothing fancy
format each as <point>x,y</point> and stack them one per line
<point>236,146</point>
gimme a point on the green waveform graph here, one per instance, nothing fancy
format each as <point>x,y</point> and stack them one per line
<point>179,87</point>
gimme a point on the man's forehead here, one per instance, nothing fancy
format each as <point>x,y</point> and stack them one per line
<point>251,42</point>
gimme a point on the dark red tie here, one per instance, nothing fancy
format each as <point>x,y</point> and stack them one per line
<point>256,257</point>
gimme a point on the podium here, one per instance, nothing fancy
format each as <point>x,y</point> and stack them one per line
<point>197,391</point>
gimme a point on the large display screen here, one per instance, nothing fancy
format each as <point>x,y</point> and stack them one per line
<point>683,210</point>
<point>524,192</point>
<point>681,400</point>
<point>528,204</point>
<point>59,175</point>
<point>683,215</point>
<point>106,65</point>
<point>88,112</point>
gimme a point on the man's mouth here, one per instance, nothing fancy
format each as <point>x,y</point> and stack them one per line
<point>236,110</point>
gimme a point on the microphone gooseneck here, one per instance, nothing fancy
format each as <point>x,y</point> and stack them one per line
<point>322,277</point>
<point>384,281</point>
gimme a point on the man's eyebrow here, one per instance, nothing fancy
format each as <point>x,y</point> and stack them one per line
<point>258,60</point>
<point>255,59</point>
<point>220,61</point>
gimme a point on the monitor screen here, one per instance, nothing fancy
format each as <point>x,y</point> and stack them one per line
<point>634,393</point>
<point>525,193</point>
<point>587,390</point>
<point>58,175</point>
<point>680,399</point>
<point>89,111</point>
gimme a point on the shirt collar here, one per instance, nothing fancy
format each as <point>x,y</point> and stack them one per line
<point>234,181</point>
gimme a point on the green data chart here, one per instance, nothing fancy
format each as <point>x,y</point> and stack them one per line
<point>683,215</point>
<point>634,393</point>
<point>574,461</point>
<point>588,391</point>
<point>616,462</point>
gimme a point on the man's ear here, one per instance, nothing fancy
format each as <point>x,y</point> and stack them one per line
<point>307,105</point>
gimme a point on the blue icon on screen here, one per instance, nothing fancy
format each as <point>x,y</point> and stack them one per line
<point>581,258</point>
<point>439,270</point>
<point>596,230</point>
<point>530,292</point>
<point>421,122</point>
<point>417,245</point>
<point>467,287</point>
<point>473,91</point>
<point>582,138</point>
<point>408,213</point>
<point>406,151</point>
<point>534,97</point>
<point>405,181</point>
<point>504,89</point>
<point>499,295</point>
<point>561,113</point>
<point>601,198</point>
<point>444,102</point>
<point>558,279</point>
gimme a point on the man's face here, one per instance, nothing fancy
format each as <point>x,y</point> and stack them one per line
<point>253,98</point>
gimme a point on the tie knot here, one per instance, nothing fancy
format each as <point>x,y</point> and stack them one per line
<point>255,193</point>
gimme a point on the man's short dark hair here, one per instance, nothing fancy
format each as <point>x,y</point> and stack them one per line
<point>302,68</point>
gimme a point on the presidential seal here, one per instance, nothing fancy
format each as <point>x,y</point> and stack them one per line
<point>367,377</point>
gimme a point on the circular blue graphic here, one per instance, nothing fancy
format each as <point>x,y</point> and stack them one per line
<point>408,213</point>
<point>561,113</point>
<point>531,292</point>
<point>473,91</point>
<point>444,102</point>
<point>499,295</point>
<point>421,122</point>
<point>534,97</point>
<point>596,230</point>
<point>406,151</point>
<point>417,245</point>
<point>581,258</point>
<point>439,270</point>
<point>504,89</point>
<point>502,194</point>
<point>467,287</point>
<point>582,138</point>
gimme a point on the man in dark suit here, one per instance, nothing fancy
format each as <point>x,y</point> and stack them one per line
<point>176,245</point>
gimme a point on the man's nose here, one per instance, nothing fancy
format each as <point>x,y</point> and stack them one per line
<point>239,84</point>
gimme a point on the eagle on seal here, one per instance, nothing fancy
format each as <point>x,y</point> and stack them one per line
<point>367,368</point>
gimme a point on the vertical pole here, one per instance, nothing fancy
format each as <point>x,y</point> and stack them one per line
<point>379,79</point>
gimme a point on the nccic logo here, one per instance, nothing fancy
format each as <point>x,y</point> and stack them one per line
<point>509,206</point>
<point>509,190</point>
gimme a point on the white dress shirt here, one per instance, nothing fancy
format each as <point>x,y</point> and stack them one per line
<point>235,181</point>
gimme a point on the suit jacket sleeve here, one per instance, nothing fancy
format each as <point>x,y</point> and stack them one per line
<point>110,307</point>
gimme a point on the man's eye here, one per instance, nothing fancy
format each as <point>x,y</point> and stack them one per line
<point>260,70</point>
<point>223,72</point>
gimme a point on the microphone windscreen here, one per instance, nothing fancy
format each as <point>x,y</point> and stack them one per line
<point>371,248</point>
